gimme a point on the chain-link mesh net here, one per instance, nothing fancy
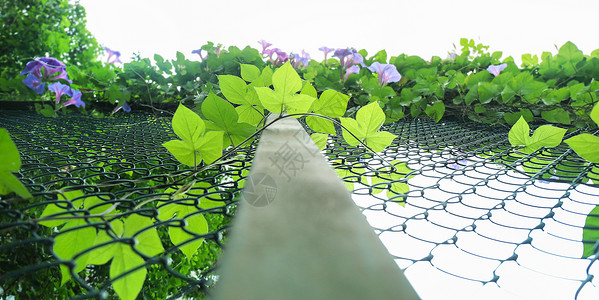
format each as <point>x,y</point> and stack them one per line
<point>460,206</point>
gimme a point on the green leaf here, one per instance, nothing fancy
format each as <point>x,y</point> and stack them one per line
<point>544,136</point>
<point>366,125</point>
<point>319,124</point>
<point>225,117</point>
<point>286,81</point>
<point>586,146</point>
<point>298,104</point>
<point>568,56</point>
<point>471,96</point>
<point>10,181</point>
<point>219,111</point>
<point>276,101</point>
<point>129,286</point>
<point>9,154</point>
<point>436,110</point>
<point>320,139</point>
<point>55,210</point>
<point>187,124</point>
<point>102,255</point>
<point>309,90</point>
<point>487,91</point>
<point>194,223</point>
<point>184,152</point>
<point>529,61</point>
<point>270,100</point>
<point>67,244</point>
<point>196,144</point>
<point>590,233</point>
<point>519,134</point>
<point>558,115</point>
<point>512,118</point>
<point>211,146</point>
<point>266,76</point>
<point>378,141</point>
<point>352,126</point>
<point>148,241</point>
<point>551,96</point>
<point>331,103</point>
<point>249,114</point>
<point>249,73</point>
<point>371,117</point>
<point>595,114</point>
<point>234,88</point>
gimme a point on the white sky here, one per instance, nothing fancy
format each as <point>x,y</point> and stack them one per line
<point>424,27</point>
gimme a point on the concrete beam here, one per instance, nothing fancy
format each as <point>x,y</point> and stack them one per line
<point>298,234</point>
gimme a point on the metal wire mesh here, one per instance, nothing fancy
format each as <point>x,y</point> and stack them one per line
<point>481,220</point>
<point>476,211</point>
<point>120,161</point>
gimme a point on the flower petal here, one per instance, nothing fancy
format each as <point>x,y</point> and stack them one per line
<point>34,83</point>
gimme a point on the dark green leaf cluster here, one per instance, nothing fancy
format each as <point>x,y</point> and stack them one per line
<point>39,28</point>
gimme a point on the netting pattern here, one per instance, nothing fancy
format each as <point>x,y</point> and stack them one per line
<point>480,219</point>
<point>476,214</point>
<point>121,162</point>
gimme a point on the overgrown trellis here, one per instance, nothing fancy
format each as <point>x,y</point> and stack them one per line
<point>467,187</point>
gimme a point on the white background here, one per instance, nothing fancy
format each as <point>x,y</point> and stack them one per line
<point>424,27</point>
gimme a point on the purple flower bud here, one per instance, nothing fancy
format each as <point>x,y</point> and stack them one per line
<point>495,70</point>
<point>60,89</point>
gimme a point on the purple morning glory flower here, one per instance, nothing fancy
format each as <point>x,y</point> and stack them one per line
<point>76,99</point>
<point>282,57</point>
<point>50,66</point>
<point>34,83</point>
<point>198,52</point>
<point>387,72</point>
<point>495,70</point>
<point>264,45</point>
<point>355,58</point>
<point>303,59</point>
<point>269,52</point>
<point>326,51</point>
<point>451,55</point>
<point>355,69</point>
<point>112,53</point>
<point>60,89</point>
<point>125,107</point>
<point>342,54</point>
